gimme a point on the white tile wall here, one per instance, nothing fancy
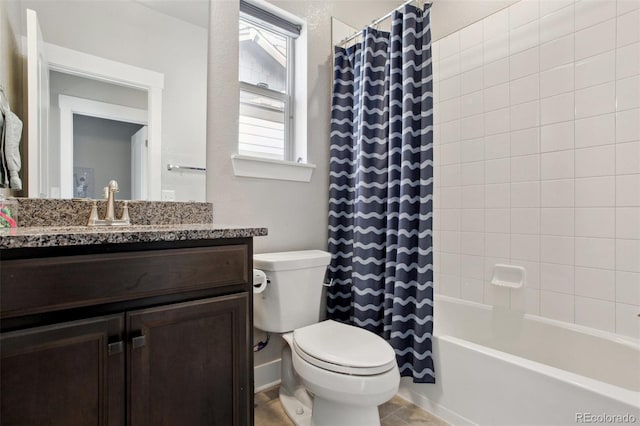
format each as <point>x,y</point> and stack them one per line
<point>557,52</point>
<point>595,69</point>
<point>595,131</point>
<point>538,160</point>
<point>557,137</point>
<point>627,60</point>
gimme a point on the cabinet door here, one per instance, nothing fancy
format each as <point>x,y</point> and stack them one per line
<point>66,374</point>
<point>189,364</point>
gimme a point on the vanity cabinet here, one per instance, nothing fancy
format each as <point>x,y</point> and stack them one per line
<point>127,334</point>
<point>64,374</point>
<point>171,361</point>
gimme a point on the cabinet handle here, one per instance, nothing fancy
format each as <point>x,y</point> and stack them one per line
<point>138,342</point>
<point>114,348</point>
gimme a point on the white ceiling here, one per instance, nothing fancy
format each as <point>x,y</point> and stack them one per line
<point>193,11</point>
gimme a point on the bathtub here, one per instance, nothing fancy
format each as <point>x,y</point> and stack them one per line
<point>499,367</point>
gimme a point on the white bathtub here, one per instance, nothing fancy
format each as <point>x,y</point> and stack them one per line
<point>498,367</point>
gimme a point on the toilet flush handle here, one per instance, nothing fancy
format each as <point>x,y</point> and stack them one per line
<point>329,284</point>
<point>260,281</point>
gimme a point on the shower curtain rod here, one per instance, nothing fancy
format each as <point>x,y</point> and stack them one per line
<point>377,21</point>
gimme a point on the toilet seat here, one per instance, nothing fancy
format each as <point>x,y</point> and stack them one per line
<point>345,349</point>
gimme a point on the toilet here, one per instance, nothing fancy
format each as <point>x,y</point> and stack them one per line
<point>333,374</point>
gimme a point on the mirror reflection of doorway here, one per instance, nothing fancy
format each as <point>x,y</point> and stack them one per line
<point>50,158</point>
<point>104,150</point>
<point>103,117</point>
<point>106,131</point>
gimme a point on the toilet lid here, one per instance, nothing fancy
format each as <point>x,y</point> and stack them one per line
<point>344,348</point>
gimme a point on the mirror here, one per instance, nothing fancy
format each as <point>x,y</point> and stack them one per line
<point>120,68</point>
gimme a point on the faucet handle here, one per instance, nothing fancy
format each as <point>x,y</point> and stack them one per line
<point>93,216</point>
<point>125,213</point>
<point>113,186</point>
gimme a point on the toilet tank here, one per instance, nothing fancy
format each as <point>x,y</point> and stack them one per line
<point>293,297</point>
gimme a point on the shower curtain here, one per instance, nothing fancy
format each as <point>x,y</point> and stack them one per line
<point>381,184</point>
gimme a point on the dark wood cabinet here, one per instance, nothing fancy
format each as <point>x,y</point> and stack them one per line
<point>65,374</point>
<point>144,334</point>
<point>185,363</point>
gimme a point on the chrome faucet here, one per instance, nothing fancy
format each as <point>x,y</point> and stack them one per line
<point>112,188</point>
<point>109,218</point>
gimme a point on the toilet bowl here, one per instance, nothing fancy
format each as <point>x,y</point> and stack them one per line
<point>349,371</point>
<point>333,374</point>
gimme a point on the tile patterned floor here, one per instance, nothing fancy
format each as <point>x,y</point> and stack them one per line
<point>397,412</point>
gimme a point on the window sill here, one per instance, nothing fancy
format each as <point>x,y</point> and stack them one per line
<point>263,168</point>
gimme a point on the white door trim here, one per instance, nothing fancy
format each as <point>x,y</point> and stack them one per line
<point>70,105</point>
<point>69,61</point>
<point>139,164</point>
<point>37,109</point>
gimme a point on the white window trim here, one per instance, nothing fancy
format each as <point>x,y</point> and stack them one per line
<point>257,167</point>
<point>266,168</point>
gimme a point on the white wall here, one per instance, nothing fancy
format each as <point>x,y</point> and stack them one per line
<point>129,32</point>
<point>538,160</point>
<point>450,16</point>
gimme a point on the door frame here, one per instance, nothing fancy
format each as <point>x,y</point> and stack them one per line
<point>81,64</point>
<point>70,105</point>
<point>38,182</point>
<point>139,168</point>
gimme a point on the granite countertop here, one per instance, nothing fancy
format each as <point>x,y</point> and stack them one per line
<point>51,236</point>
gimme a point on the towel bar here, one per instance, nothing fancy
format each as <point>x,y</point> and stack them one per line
<point>171,167</point>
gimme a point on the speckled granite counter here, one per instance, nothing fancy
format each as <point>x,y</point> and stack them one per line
<point>75,212</point>
<point>49,236</point>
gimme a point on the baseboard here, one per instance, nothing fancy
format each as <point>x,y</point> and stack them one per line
<point>434,408</point>
<point>266,375</point>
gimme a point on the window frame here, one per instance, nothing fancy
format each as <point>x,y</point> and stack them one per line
<point>301,171</point>
<point>288,98</point>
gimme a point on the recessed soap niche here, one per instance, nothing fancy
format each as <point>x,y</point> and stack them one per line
<point>510,276</point>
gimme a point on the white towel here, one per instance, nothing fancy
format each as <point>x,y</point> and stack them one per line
<point>11,132</point>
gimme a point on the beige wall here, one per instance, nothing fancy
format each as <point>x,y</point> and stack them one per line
<point>294,212</point>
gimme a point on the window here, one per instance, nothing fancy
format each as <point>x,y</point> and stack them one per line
<point>266,76</point>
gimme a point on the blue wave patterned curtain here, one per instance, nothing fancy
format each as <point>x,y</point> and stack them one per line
<point>381,185</point>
